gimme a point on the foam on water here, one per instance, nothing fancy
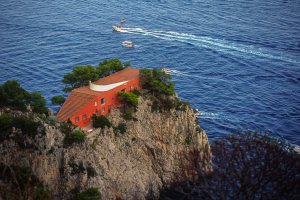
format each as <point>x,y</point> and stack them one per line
<point>212,43</point>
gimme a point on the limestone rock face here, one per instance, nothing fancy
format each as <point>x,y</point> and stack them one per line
<point>158,149</point>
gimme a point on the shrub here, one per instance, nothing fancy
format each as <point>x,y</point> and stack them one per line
<point>66,128</point>
<point>182,105</point>
<point>121,128</point>
<point>167,103</point>
<point>188,140</point>
<point>13,95</point>
<point>58,100</point>
<point>27,125</point>
<point>89,194</point>
<point>76,168</point>
<point>41,193</point>
<point>91,172</point>
<point>76,137</point>
<point>81,75</point>
<point>38,103</point>
<point>155,106</point>
<point>100,121</point>
<point>128,98</point>
<point>157,82</point>
<point>128,113</point>
<point>5,126</point>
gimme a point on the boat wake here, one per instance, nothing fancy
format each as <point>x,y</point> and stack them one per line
<point>176,72</point>
<point>213,44</point>
<point>209,115</point>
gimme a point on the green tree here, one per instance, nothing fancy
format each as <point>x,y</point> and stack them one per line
<point>107,67</point>
<point>80,76</point>
<point>89,194</point>
<point>128,98</point>
<point>12,94</point>
<point>58,100</point>
<point>76,137</point>
<point>127,64</point>
<point>121,128</point>
<point>38,103</point>
<point>100,121</point>
<point>157,82</point>
<point>5,126</point>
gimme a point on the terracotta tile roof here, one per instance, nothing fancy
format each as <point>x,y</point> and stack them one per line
<point>74,103</point>
<point>80,97</point>
<point>123,75</point>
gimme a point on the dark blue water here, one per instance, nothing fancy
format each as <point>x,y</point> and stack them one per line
<point>236,61</point>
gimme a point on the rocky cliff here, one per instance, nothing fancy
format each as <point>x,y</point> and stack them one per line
<point>158,149</point>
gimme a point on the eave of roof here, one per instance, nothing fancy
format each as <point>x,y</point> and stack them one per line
<point>74,103</point>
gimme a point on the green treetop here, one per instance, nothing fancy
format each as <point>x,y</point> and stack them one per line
<point>81,75</point>
<point>13,95</point>
<point>128,98</point>
<point>157,82</point>
<point>58,100</point>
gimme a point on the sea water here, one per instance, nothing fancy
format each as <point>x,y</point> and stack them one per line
<point>238,62</point>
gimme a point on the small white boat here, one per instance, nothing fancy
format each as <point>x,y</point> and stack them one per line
<point>122,20</point>
<point>166,70</point>
<point>117,28</point>
<point>128,44</point>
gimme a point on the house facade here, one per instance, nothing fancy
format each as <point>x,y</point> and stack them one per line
<point>98,97</point>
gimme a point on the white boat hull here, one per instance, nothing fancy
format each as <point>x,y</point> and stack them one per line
<point>117,28</point>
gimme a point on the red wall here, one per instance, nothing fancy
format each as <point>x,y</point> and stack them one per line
<point>111,99</point>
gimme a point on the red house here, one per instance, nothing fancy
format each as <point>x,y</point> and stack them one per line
<point>98,97</point>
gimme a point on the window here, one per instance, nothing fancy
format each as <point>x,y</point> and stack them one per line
<point>96,103</point>
<point>76,119</point>
<point>103,110</point>
<point>123,90</point>
<point>103,101</point>
<point>83,117</point>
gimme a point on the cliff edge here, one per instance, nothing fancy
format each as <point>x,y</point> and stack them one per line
<point>157,150</point>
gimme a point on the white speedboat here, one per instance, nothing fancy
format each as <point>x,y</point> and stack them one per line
<point>166,70</point>
<point>117,28</point>
<point>128,44</point>
<point>122,20</point>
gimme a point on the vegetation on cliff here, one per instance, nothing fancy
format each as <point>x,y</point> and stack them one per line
<point>58,100</point>
<point>160,89</point>
<point>14,96</point>
<point>129,102</point>
<point>89,194</point>
<point>162,146</point>
<point>246,166</point>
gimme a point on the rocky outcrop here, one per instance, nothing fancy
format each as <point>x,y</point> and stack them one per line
<point>158,149</point>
